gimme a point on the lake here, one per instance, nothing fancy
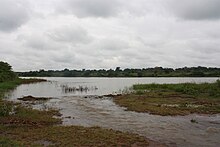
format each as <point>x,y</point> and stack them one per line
<point>103,112</point>
<point>96,86</point>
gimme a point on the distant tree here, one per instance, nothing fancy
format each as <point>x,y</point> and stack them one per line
<point>118,69</point>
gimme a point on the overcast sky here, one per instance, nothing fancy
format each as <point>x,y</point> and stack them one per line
<point>96,34</point>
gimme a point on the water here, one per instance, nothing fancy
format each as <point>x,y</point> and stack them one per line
<point>104,85</point>
<point>93,111</point>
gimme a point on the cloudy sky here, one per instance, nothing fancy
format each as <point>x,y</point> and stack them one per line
<point>96,34</point>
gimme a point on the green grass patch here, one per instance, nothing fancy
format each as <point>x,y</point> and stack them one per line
<point>207,90</point>
<point>173,99</point>
<point>5,86</point>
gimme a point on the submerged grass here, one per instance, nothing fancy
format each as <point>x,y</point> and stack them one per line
<point>173,99</point>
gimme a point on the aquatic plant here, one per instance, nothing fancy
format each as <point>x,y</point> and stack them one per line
<point>68,89</point>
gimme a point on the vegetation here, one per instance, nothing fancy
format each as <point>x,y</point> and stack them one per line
<point>173,99</point>
<point>68,136</point>
<point>145,72</point>
<point>6,73</point>
<point>205,90</point>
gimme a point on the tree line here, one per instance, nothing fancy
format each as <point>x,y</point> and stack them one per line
<point>118,72</point>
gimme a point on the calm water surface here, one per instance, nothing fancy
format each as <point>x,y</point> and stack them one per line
<point>93,111</point>
<point>53,88</point>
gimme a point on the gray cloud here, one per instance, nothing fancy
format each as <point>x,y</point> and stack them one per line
<point>196,9</point>
<point>90,8</point>
<point>70,34</point>
<point>113,44</point>
<point>12,14</point>
<point>37,41</point>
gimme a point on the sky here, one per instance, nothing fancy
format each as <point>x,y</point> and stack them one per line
<point>101,34</point>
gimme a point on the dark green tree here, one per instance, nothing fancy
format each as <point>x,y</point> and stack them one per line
<point>6,73</point>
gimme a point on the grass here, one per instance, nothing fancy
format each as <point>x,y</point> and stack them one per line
<point>5,142</point>
<point>71,136</point>
<point>207,90</point>
<point>25,116</point>
<point>173,99</point>
<point>5,86</point>
<point>22,126</point>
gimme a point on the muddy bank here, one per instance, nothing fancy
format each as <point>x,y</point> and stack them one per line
<point>31,98</point>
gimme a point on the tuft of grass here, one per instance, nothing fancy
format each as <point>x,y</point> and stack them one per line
<point>139,92</point>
